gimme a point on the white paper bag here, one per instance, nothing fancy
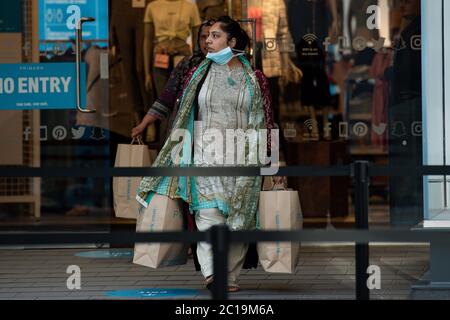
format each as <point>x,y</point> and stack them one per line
<point>125,188</point>
<point>162,214</point>
<point>279,210</point>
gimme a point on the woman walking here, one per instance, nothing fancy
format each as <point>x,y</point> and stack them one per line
<point>222,93</point>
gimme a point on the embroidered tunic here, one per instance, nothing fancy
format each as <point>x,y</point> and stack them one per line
<point>224,104</point>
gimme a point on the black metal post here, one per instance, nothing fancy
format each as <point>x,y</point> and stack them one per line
<point>361,183</point>
<point>220,237</point>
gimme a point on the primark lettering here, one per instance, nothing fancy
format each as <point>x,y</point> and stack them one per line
<point>34,85</point>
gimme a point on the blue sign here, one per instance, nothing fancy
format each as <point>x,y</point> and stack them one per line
<point>40,86</point>
<point>10,16</point>
<point>153,293</point>
<point>58,19</point>
<point>106,254</point>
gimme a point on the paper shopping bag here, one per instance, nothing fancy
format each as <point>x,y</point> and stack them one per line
<point>279,210</point>
<point>162,214</point>
<point>125,188</point>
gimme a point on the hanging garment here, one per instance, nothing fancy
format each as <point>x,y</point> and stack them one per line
<point>127,26</point>
<point>308,17</point>
<point>311,17</point>
<point>380,99</point>
<point>272,32</point>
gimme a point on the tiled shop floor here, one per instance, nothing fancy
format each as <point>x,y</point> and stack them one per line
<point>323,272</point>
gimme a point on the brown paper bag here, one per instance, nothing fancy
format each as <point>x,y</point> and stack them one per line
<point>279,210</point>
<point>125,188</point>
<point>162,214</point>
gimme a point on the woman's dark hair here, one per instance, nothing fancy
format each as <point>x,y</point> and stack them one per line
<point>234,30</point>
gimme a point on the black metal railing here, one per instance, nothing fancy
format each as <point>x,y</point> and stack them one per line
<point>220,237</point>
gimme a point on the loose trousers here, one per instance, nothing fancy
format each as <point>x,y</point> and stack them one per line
<point>205,219</point>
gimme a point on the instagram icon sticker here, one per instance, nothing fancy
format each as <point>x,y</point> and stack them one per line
<point>416,129</point>
<point>416,42</point>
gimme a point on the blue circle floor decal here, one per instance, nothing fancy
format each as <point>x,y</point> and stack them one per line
<point>153,293</point>
<point>106,254</point>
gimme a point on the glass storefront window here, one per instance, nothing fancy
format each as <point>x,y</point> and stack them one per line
<point>359,97</point>
<point>40,123</point>
<point>345,76</point>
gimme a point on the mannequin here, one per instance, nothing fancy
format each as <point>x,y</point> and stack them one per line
<point>167,27</point>
<point>167,24</point>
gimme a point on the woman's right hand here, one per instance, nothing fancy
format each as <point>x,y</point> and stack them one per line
<point>137,131</point>
<point>148,119</point>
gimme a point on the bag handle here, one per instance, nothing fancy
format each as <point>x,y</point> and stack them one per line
<point>138,139</point>
<point>279,187</point>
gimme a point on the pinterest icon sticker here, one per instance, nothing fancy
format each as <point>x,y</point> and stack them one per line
<point>59,133</point>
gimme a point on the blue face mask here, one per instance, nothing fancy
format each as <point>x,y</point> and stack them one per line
<point>223,56</point>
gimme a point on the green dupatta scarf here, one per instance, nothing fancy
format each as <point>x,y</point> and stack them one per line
<point>244,204</point>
